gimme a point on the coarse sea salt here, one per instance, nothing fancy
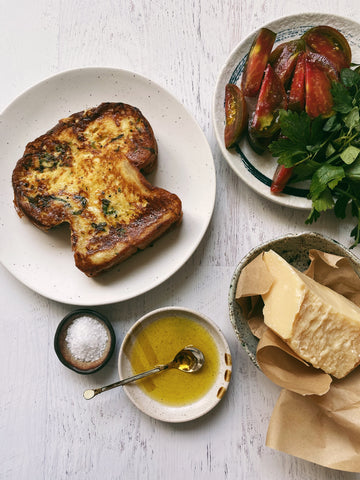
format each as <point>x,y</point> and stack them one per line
<point>86,339</point>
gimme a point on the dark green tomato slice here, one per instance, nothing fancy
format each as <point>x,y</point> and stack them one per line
<point>256,62</point>
<point>283,59</point>
<point>297,89</point>
<point>318,80</point>
<point>236,115</point>
<point>330,43</point>
<point>272,98</point>
<point>258,144</point>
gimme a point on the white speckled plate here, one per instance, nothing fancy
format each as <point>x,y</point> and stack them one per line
<point>161,411</point>
<point>257,170</point>
<point>294,248</point>
<point>44,261</point>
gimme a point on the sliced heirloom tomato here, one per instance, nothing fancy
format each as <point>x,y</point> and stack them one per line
<point>297,89</point>
<point>256,62</point>
<point>283,59</point>
<point>319,74</point>
<point>236,114</point>
<point>258,144</point>
<point>281,177</point>
<point>330,43</point>
<point>272,98</point>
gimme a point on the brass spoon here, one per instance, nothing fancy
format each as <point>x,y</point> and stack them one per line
<point>188,360</point>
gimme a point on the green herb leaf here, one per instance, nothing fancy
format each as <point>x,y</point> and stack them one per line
<point>351,120</point>
<point>330,150</point>
<point>350,154</point>
<point>332,124</point>
<point>342,98</point>
<point>349,77</point>
<point>303,138</point>
<point>305,171</point>
<point>314,215</point>
<point>326,176</point>
<point>288,153</point>
<point>353,172</point>
<point>324,202</point>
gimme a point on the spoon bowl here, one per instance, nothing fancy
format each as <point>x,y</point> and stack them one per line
<point>190,359</point>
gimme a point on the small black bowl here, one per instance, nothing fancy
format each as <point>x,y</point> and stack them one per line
<point>63,352</point>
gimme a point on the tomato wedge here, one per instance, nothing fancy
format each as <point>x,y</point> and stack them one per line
<point>272,98</point>
<point>256,62</point>
<point>283,59</point>
<point>330,43</point>
<point>281,177</point>
<point>258,144</point>
<point>318,77</point>
<point>235,114</point>
<point>297,89</point>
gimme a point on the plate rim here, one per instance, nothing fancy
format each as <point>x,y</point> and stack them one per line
<point>232,158</point>
<point>221,343</point>
<point>211,176</point>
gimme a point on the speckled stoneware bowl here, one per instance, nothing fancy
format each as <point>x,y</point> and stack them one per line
<point>189,411</point>
<point>295,249</point>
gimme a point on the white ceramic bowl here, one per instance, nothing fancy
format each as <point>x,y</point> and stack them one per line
<point>186,412</point>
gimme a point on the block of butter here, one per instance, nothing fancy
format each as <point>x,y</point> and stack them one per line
<point>320,325</point>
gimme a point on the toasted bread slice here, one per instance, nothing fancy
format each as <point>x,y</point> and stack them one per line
<point>86,172</point>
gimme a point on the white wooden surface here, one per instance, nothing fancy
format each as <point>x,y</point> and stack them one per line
<point>47,430</point>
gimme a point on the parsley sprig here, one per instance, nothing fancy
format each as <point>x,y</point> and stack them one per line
<point>327,152</point>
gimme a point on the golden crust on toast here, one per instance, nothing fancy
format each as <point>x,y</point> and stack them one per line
<point>86,172</point>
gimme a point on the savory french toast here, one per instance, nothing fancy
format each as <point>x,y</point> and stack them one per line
<point>86,171</point>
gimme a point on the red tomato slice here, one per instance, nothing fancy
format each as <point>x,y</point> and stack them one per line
<point>235,114</point>
<point>256,62</point>
<point>272,98</point>
<point>330,43</point>
<point>297,89</point>
<point>283,59</point>
<point>318,77</point>
<point>281,177</point>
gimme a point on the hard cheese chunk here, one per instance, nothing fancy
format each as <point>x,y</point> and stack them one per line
<point>320,325</point>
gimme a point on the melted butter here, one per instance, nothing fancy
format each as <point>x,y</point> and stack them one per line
<point>158,343</point>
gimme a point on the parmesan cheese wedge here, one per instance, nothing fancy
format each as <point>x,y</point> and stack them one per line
<point>320,325</point>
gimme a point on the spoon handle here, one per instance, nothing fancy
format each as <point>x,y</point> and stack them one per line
<point>88,394</point>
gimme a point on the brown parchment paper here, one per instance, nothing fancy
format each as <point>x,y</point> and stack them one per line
<point>316,417</point>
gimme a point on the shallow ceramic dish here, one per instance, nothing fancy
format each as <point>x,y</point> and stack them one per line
<point>257,170</point>
<point>162,411</point>
<point>295,249</point>
<point>63,352</point>
<point>43,261</point>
